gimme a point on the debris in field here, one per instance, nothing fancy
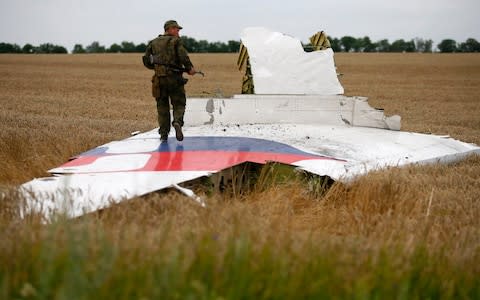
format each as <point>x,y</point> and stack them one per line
<point>297,117</point>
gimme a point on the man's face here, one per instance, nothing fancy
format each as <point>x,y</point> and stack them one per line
<point>173,31</point>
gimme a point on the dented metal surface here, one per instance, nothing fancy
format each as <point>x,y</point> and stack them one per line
<point>279,109</point>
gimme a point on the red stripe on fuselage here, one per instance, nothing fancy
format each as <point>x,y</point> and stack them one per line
<point>215,160</point>
<point>200,160</point>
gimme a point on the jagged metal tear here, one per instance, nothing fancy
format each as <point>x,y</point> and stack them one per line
<point>279,65</point>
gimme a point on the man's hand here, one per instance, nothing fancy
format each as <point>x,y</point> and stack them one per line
<point>192,72</point>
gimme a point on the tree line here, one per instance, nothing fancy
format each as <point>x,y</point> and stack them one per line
<point>352,44</point>
<point>344,44</point>
<point>29,48</point>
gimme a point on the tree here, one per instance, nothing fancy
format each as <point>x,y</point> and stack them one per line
<point>59,49</point>
<point>128,47</point>
<point>347,43</point>
<point>410,46</point>
<point>10,48</point>
<point>50,48</point>
<point>470,45</point>
<point>367,45</point>
<point>190,44</point>
<point>447,46</point>
<point>95,47</point>
<point>397,46</point>
<point>358,45</point>
<point>428,46</point>
<point>217,47</point>
<point>383,46</point>
<point>233,46</point>
<point>44,48</point>
<point>335,44</point>
<point>203,46</point>
<point>402,46</point>
<point>114,48</point>
<point>78,48</point>
<point>28,49</point>
<point>141,48</point>
<point>422,45</point>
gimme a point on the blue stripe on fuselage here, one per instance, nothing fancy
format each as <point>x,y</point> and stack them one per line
<point>216,143</point>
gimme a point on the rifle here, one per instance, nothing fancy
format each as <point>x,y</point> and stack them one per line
<point>174,68</point>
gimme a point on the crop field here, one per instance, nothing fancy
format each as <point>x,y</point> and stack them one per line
<point>402,233</point>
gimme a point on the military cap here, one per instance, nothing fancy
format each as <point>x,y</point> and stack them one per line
<point>171,23</point>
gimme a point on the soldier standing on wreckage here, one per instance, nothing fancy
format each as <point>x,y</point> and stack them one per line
<point>169,58</point>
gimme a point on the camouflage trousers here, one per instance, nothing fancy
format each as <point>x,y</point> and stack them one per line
<point>169,90</point>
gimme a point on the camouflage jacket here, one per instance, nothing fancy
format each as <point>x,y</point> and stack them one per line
<point>170,54</point>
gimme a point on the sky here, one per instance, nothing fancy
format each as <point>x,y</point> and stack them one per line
<point>70,22</point>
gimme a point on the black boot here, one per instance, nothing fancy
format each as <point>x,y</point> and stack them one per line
<point>178,131</point>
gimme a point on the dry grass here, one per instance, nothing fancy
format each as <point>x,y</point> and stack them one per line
<point>56,106</point>
<point>435,93</point>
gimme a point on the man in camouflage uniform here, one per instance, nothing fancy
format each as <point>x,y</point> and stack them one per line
<point>170,60</point>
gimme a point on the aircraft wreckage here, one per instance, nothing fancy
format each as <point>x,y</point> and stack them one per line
<point>295,116</point>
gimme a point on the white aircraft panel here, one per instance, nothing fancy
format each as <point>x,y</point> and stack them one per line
<point>281,66</point>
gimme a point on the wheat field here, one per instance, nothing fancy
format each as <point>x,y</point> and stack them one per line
<point>411,232</point>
